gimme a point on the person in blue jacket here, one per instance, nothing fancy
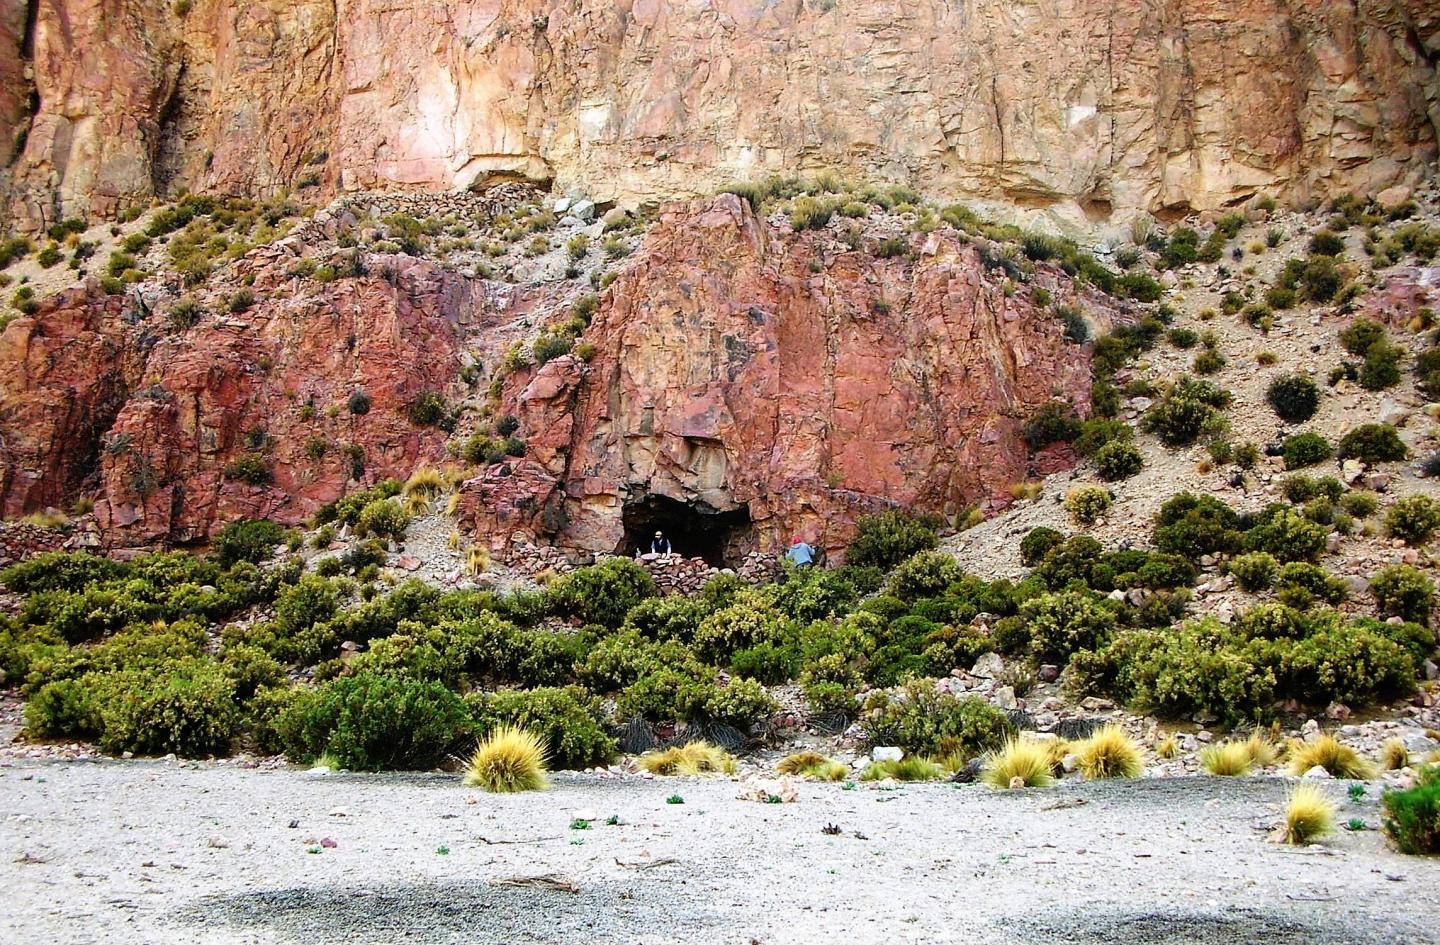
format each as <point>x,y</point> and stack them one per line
<point>800,554</point>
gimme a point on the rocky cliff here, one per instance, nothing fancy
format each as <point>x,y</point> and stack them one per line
<point>1086,106</point>
<point>737,372</point>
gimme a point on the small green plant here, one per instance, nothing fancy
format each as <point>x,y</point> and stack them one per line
<point>1356,792</point>
<point>1373,443</point>
<point>1413,519</point>
<point>1412,817</point>
<point>1255,571</point>
<point>1086,504</point>
<point>906,769</point>
<point>1118,460</point>
<point>1294,397</point>
<point>674,799</point>
<point>1305,449</point>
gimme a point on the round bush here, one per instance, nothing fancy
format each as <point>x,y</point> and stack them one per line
<point>1086,504</point>
<point>252,541</point>
<point>1294,397</point>
<point>567,719</point>
<point>1037,543</point>
<point>1287,535</point>
<point>1305,449</point>
<point>921,721</point>
<point>888,538</point>
<point>1060,624</point>
<point>1413,519</point>
<point>186,707</point>
<point>383,518</point>
<point>1402,591</point>
<point>1255,571</point>
<point>1373,443</point>
<point>1118,460</point>
<point>603,593</point>
<point>376,723</point>
<point>927,574</point>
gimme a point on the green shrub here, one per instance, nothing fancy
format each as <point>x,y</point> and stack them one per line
<point>567,719</point>
<point>1313,580</point>
<point>1305,449</point>
<point>1381,368</point>
<point>1348,663</point>
<point>1062,623</point>
<point>1412,817</point>
<point>1099,432</point>
<point>65,708</point>
<point>1361,335</point>
<point>1293,397</point>
<point>603,593</point>
<point>1163,571</point>
<point>249,468</point>
<point>376,723</point>
<point>1359,504</point>
<point>383,518</point>
<point>250,540</point>
<point>1055,422</point>
<point>1255,571</point>
<point>185,707</point>
<point>251,669</point>
<point>1373,443</point>
<point>1209,361</point>
<point>667,618</point>
<point>1086,504</point>
<point>740,704</point>
<point>61,571</point>
<point>926,574</point>
<point>885,539</point>
<point>427,410</point>
<point>1287,535</point>
<point>1413,519</point>
<point>1192,526</point>
<point>1037,544</point>
<point>1325,243</point>
<point>1118,460</point>
<point>749,621</point>
<point>921,721</point>
<point>1188,408</point>
<point>1404,592</point>
<point>1303,488</point>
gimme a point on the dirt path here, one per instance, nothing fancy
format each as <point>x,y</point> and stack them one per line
<point>136,852</point>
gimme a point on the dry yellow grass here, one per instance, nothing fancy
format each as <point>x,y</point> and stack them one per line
<point>812,765</point>
<point>1394,755</point>
<point>1022,763</point>
<point>1167,748</point>
<point>692,759</point>
<point>1261,750</point>
<point>1109,753</point>
<point>508,760</point>
<point>1330,753</point>
<point>1309,814</point>
<point>1227,759</point>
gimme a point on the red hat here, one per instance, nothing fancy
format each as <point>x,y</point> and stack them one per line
<point>795,540</point>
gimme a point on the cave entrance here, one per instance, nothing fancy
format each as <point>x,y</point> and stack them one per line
<point>695,530</point>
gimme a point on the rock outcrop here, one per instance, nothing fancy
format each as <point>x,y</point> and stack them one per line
<point>739,373</point>
<point>740,367</point>
<point>1086,106</point>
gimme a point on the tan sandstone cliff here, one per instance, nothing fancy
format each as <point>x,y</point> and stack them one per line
<point>1086,106</point>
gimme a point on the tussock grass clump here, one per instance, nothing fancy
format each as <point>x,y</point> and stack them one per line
<point>813,765</point>
<point>1167,748</point>
<point>1261,750</point>
<point>507,761</point>
<point>1110,753</point>
<point>1309,814</point>
<point>906,769</point>
<point>1021,760</point>
<point>426,481</point>
<point>693,759</point>
<point>1394,755</point>
<point>1226,760</point>
<point>1330,753</point>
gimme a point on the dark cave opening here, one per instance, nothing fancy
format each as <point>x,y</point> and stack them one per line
<point>695,530</point>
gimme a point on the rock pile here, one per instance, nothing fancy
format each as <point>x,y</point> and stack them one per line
<point>676,574</point>
<point>21,540</point>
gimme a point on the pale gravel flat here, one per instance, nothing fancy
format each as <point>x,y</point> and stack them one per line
<point>155,852</point>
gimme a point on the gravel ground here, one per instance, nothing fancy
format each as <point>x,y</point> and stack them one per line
<point>141,852</point>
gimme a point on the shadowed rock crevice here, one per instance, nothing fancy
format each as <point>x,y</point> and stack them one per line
<point>695,529</point>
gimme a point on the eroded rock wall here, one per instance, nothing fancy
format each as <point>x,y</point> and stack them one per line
<point>1087,106</point>
<point>742,365</point>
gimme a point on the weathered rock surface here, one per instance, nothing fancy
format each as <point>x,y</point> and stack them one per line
<point>730,374</point>
<point>739,367</point>
<point>1084,105</point>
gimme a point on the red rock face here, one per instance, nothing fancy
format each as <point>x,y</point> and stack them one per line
<point>739,368</point>
<point>730,374</point>
<point>1078,105</point>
